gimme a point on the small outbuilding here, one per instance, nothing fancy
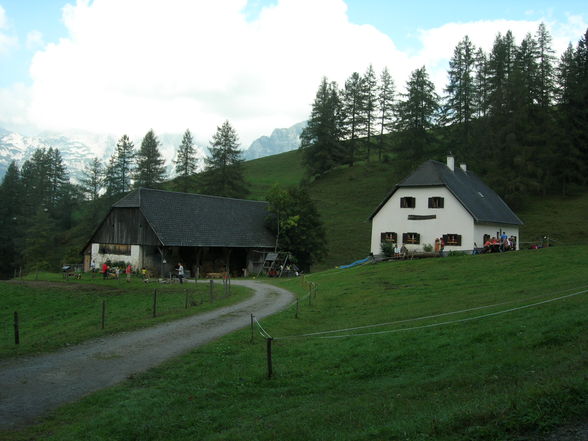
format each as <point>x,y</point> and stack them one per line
<point>156,229</point>
<point>442,203</point>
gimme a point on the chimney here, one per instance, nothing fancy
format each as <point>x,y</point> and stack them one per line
<point>451,162</point>
<point>463,167</point>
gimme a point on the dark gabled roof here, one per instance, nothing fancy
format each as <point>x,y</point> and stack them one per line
<point>476,197</point>
<point>184,219</point>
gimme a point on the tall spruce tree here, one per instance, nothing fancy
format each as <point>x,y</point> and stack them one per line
<point>92,179</point>
<point>370,94</point>
<point>321,139</point>
<point>224,172</point>
<point>354,110</point>
<point>417,116</point>
<point>461,98</point>
<point>186,162</point>
<point>12,221</point>
<point>150,171</point>
<point>386,105</point>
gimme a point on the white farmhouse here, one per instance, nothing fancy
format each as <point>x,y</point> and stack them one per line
<point>440,201</point>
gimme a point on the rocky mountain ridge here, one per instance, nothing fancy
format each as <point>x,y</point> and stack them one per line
<point>77,151</point>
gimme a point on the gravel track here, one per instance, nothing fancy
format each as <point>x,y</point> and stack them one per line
<point>31,386</point>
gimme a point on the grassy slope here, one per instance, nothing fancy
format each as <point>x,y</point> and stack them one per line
<point>496,378</point>
<point>347,196</point>
<point>53,314</point>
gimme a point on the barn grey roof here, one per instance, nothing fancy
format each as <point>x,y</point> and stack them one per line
<point>477,198</point>
<point>185,219</point>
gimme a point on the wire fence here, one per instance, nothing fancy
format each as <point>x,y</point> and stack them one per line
<point>348,332</point>
<point>112,312</point>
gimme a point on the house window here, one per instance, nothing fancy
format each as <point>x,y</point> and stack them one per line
<point>407,202</point>
<point>388,237</point>
<point>123,250</point>
<point>411,238</point>
<point>436,202</point>
<point>452,239</point>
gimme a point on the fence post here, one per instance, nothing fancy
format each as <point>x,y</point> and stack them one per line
<point>154,303</point>
<point>211,293</point>
<point>16,330</point>
<point>186,293</point>
<point>103,313</point>
<point>297,307</point>
<point>269,358</point>
<point>252,328</point>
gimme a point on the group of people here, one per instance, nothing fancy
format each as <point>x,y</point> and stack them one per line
<point>114,272</point>
<point>499,245</point>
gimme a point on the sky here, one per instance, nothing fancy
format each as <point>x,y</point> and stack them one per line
<point>127,66</point>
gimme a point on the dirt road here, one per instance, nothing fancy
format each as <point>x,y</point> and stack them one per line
<point>31,386</point>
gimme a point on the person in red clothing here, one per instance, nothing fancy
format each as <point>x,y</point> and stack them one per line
<point>104,270</point>
<point>128,272</point>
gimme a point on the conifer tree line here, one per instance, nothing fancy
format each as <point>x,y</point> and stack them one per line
<point>517,115</point>
<point>45,217</point>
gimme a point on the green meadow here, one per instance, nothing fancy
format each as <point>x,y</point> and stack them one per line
<point>487,347</point>
<point>53,313</point>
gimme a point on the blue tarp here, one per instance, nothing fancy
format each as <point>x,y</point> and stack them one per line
<point>357,262</point>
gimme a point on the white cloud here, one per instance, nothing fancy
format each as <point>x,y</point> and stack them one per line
<point>35,40</point>
<point>126,67</point>
<point>180,63</point>
<point>7,41</point>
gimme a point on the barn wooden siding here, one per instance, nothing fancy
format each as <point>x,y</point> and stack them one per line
<point>125,226</point>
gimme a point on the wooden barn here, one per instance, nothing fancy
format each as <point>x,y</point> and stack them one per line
<point>156,229</point>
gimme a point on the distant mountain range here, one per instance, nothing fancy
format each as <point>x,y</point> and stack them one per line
<point>280,141</point>
<point>77,151</point>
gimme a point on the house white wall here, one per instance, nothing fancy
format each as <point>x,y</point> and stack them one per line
<point>134,258</point>
<point>453,218</point>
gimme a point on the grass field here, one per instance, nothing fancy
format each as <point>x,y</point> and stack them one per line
<point>53,314</point>
<point>489,347</point>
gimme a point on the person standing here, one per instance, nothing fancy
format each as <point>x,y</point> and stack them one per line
<point>128,272</point>
<point>104,271</point>
<point>181,272</point>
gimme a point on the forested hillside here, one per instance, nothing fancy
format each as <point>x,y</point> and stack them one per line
<point>518,116</point>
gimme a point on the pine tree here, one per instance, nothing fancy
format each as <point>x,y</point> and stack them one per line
<point>461,97</point>
<point>546,73</point>
<point>125,156</point>
<point>150,170</point>
<point>92,179</point>
<point>321,140</point>
<point>354,109</point>
<point>370,94</point>
<point>186,162</point>
<point>224,172</point>
<point>417,115</point>
<point>58,178</point>
<point>386,105</point>
<point>12,221</point>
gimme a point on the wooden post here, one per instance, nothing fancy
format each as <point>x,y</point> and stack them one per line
<point>16,329</point>
<point>103,313</point>
<point>269,358</point>
<point>211,293</point>
<point>154,302</point>
<point>252,332</point>
<point>297,307</point>
<point>186,294</point>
